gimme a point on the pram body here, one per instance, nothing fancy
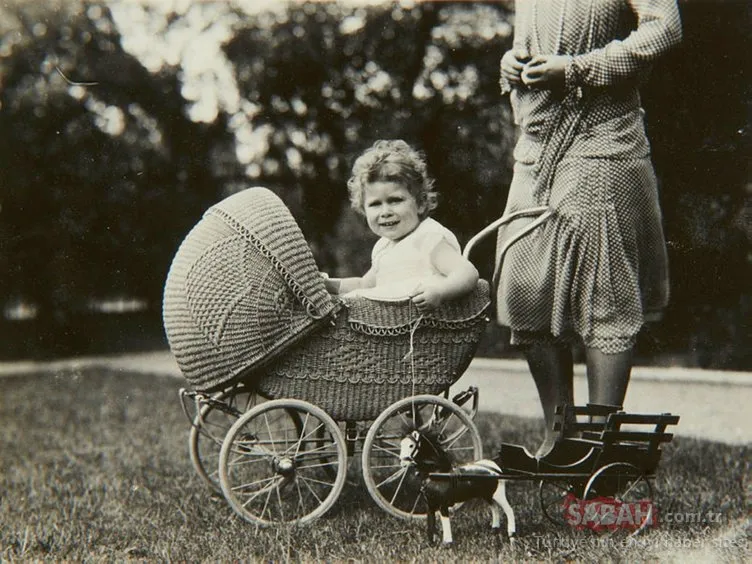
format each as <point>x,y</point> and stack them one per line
<point>247,314</point>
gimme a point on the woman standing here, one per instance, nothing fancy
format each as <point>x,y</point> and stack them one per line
<point>597,270</point>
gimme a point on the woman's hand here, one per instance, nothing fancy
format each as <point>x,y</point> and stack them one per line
<point>545,71</point>
<point>512,64</point>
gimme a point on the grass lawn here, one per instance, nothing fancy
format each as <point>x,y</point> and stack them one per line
<point>94,466</point>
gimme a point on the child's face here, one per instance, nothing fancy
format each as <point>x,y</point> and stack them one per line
<point>391,210</point>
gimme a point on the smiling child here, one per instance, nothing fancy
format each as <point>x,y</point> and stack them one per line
<point>416,257</point>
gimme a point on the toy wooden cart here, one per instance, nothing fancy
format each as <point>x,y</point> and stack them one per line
<point>611,462</point>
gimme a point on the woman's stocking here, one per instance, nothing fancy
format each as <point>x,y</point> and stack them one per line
<point>608,376</point>
<point>552,368</point>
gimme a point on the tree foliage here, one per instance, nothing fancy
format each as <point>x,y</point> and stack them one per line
<point>122,122</point>
<point>326,80</point>
<point>107,171</point>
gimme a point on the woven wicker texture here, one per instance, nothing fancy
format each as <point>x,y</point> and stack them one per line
<point>358,366</point>
<point>242,287</point>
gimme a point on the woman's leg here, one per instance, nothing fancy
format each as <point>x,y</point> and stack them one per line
<point>552,368</point>
<point>608,376</point>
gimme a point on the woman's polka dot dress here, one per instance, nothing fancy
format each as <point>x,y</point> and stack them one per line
<point>598,268</point>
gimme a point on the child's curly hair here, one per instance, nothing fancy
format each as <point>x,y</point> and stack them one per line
<point>392,161</point>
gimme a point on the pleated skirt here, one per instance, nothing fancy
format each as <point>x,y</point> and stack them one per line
<point>597,270</point>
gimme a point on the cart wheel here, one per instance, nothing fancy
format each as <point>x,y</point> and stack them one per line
<point>554,495</point>
<point>210,427</point>
<point>625,483</point>
<point>274,471</point>
<point>394,488</point>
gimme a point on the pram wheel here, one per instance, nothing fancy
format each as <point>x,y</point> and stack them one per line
<point>283,462</point>
<point>395,488</point>
<point>213,420</point>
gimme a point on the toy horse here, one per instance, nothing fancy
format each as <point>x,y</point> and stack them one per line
<point>445,484</point>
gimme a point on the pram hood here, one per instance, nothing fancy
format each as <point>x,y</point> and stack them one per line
<point>243,286</point>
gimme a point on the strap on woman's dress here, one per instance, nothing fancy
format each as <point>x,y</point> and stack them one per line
<point>560,135</point>
<point>558,140</point>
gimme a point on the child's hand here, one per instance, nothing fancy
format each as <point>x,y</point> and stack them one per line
<point>332,285</point>
<point>426,297</point>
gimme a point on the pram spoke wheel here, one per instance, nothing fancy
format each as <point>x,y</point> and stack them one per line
<point>210,426</point>
<point>625,484</point>
<point>395,488</point>
<point>283,462</point>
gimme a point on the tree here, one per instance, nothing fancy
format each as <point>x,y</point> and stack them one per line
<point>326,80</point>
<point>109,172</point>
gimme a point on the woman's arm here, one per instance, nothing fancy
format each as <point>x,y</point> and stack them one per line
<point>658,30</point>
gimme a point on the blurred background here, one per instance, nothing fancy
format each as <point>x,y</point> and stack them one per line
<point>122,121</point>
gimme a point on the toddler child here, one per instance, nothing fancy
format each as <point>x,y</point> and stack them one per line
<point>416,257</point>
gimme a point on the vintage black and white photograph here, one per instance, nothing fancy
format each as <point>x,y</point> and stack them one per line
<point>375,280</point>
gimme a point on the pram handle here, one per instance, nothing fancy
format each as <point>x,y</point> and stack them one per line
<point>543,213</point>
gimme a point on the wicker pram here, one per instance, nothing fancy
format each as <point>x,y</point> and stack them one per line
<point>244,301</point>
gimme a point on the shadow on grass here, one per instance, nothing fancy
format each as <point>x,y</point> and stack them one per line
<point>95,466</point>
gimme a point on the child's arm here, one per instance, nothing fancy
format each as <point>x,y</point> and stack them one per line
<point>460,277</point>
<point>344,285</point>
